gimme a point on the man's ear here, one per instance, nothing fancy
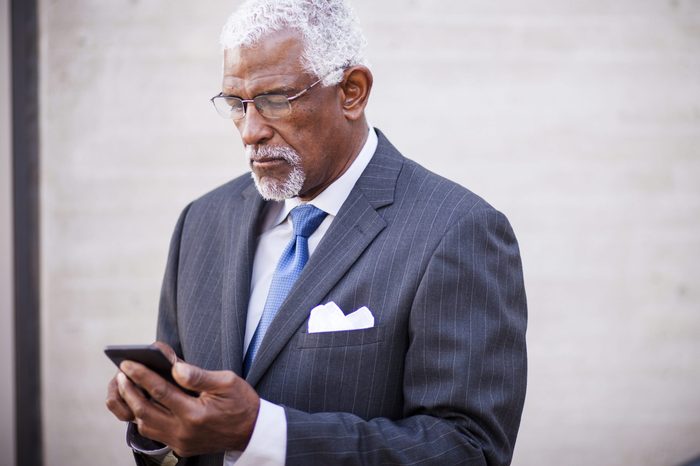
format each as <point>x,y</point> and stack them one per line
<point>355,88</point>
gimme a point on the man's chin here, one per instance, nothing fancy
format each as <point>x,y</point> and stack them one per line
<point>272,189</point>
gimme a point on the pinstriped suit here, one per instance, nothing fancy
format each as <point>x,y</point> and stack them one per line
<point>441,377</point>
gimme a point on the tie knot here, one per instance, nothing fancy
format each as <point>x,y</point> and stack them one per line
<point>306,218</point>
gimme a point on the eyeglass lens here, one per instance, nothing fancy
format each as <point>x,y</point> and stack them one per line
<point>269,106</point>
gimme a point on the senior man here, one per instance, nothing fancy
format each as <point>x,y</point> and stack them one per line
<point>431,369</point>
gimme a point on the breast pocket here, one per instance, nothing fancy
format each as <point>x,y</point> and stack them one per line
<point>349,371</point>
<point>365,336</point>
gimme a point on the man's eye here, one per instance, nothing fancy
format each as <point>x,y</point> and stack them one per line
<point>274,101</point>
<point>233,102</point>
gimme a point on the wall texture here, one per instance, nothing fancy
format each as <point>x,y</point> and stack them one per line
<point>580,120</point>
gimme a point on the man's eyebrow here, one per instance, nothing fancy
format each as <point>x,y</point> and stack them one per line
<point>282,89</point>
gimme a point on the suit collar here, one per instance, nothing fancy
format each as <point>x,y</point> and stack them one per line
<point>378,182</point>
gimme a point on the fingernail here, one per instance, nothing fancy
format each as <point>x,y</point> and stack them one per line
<point>126,366</point>
<point>121,381</point>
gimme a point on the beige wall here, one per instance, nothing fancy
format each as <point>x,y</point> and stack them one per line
<point>7,380</point>
<point>580,120</point>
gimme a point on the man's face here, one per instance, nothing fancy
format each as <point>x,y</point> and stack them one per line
<point>296,154</point>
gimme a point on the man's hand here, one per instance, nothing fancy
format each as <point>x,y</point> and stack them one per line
<point>221,418</point>
<point>114,401</point>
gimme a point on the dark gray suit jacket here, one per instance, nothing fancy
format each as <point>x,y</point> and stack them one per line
<point>441,377</point>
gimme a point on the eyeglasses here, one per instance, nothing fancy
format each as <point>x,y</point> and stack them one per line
<point>269,105</point>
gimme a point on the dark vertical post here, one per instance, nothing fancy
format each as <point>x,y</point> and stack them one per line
<point>25,166</point>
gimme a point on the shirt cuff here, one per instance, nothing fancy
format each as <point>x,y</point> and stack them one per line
<point>144,445</point>
<point>268,444</point>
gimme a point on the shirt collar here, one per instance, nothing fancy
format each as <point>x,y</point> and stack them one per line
<point>331,199</point>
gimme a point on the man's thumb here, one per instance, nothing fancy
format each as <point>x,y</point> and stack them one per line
<point>198,379</point>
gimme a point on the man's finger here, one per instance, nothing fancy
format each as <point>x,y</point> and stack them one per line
<point>129,392</point>
<point>116,404</point>
<point>162,391</point>
<point>167,350</point>
<point>200,380</point>
<point>153,421</point>
<point>143,408</point>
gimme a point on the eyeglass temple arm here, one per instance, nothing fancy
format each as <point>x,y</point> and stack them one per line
<point>296,96</point>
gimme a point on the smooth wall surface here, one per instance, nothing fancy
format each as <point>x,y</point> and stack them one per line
<point>7,344</point>
<point>580,120</point>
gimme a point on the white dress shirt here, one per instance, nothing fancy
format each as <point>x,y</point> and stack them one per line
<point>268,444</point>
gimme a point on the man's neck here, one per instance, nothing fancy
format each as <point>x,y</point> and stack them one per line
<point>355,141</point>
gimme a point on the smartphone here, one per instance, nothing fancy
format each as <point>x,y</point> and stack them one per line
<point>148,355</point>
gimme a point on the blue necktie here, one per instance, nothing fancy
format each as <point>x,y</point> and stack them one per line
<point>305,219</point>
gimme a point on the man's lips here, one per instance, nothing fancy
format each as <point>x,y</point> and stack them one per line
<point>267,162</point>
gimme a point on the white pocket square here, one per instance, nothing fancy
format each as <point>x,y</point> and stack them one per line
<point>330,318</point>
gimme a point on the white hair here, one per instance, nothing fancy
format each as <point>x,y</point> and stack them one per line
<point>330,30</point>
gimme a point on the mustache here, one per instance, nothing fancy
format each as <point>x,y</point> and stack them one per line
<point>261,153</point>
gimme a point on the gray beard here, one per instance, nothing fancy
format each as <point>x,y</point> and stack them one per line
<point>278,190</point>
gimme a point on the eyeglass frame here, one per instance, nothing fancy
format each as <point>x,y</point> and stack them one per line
<point>245,102</point>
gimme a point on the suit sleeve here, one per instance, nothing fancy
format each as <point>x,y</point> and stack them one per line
<point>167,330</point>
<point>465,369</point>
<point>167,326</point>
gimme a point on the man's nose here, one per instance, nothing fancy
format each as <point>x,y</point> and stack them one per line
<point>254,128</point>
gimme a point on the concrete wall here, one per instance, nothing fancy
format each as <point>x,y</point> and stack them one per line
<point>580,120</point>
<point>7,380</point>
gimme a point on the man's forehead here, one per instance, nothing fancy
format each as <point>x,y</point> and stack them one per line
<point>272,63</point>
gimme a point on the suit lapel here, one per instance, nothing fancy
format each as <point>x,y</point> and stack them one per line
<point>352,231</point>
<point>240,244</point>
